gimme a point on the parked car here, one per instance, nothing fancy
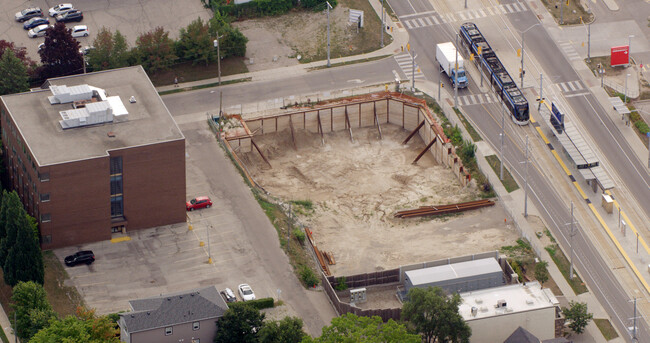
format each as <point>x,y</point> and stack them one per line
<point>32,23</point>
<point>228,295</point>
<point>71,15</point>
<point>38,31</point>
<point>28,13</point>
<point>85,256</point>
<point>198,202</point>
<point>41,46</point>
<point>80,31</point>
<point>246,292</point>
<point>59,9</point>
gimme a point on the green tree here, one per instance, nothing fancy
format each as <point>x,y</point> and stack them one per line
<point>109,50</point>
<point>154,50</point>
<point>33,311</point>
<point>577,316</point>
<point>317,5</point>
<point>13,74</point>
<point>350,328</point>
<point>287,330</point>
<point>11,218</point>
<point>84,327</point>
<point>24,259</point>
<point>239,324</point>
<point>232,42</point>
<point>435,315</point>
<point>60,55</point>
<point>120,56</point>
<point>195,43</point>
<point>541,272</point>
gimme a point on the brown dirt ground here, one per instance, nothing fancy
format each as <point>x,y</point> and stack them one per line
<point>356,187</point>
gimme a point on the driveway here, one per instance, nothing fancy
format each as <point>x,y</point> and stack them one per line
<point>243,245</point>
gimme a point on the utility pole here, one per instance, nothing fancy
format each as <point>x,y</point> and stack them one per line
<point>216,45</point>
<point>455,78</point>
<point>465,4</point>
<point>571,234</point>
<point>220,102</point>
<point>589,43</point>
<point>413,70</point>
<point>503,131</point>
<point>541,79</point>
<point>480,62</point>
<point>328,33</point>
<point>383,25</point>
<point>526,182</point>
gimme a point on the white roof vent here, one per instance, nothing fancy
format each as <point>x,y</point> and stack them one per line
<point>530,301</point>
<point>132,99</point>
<point>64,94</point>
<point>93,113</point>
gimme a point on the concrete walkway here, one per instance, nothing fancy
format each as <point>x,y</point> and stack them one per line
<point>6,326</point>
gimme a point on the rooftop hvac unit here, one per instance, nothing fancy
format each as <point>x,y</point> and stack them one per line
<point>529,301</point>
<point>358,295</point>
<point>501,304</point>
<point>478,300</point>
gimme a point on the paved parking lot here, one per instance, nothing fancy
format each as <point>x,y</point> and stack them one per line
<point>243,244</point>
<point>131,17</point>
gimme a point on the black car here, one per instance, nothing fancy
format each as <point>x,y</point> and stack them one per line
<point>71,15</point>
<point>28,13</point>
<point>86,256</point>
<point>32,23</point>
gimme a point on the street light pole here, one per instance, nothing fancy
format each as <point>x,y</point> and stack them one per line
<point>571,243</point>
<point>526,182</point>
<point>541,79</point>
<point>216,45</point>
<point>413,70</point>
<point>383,25</point>
<point>328,33</point>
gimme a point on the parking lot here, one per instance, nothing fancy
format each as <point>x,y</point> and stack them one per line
<point>243,244</point>
<point>131,17</point>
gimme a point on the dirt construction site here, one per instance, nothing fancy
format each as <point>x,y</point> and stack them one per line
<point>355,178</point>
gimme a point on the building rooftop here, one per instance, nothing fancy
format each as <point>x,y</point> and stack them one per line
<point>506,299</point>
<point>38,116</point>
<point>172,309</point>
<point>453,271</point>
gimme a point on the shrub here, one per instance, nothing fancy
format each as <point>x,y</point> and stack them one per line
<point>317,5</point>
<point>642,126</point>
<point>261,304</point>
<point>309,278</point>
<point>300,235</point>
<point>341,285</point>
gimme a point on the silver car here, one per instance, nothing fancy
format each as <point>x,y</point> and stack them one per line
<point>28,13</point>
<point>38,31</point>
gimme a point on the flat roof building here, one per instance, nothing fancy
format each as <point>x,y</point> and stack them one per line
<point>495,313</point>
<point>457,277</point>
<point>94,154</point>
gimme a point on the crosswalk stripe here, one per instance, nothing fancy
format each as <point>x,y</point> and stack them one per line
<point>509,8</point>
<point>435,20</point>
<point>564,87</point>
<point>482,13</point>
<point>487,98</point>
<point>503,9</point>
<point>516,7</point>
<point>462,17</point>
<point>489,9</point>
<point>408,24</point>
<point>426,20</point>
<point>421,22</point>
<point>578,85</point>
<point>479,98</point>
<point>570,84</point>
<point>450,17</point>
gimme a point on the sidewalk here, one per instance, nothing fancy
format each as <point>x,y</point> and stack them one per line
<point>6,326</point>
<point>513,202</point>
<point>400,39</point>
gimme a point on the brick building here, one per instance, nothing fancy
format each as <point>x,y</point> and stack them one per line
<point>94,154</point>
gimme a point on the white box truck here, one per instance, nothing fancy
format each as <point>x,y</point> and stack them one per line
<point>446,56</point>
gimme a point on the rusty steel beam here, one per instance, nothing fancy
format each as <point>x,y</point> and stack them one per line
<point>413,132</point>
<point>293,137</point>
<point>425,150</point>
<point>320,128</point>
<point>261,154</point>
<point>443,209</point>
<point>347,123</point>
<point>377,119</point>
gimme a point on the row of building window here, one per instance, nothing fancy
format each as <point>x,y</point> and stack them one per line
<point>195,326</point>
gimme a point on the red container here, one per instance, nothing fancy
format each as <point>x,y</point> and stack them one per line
<point>620,55</point>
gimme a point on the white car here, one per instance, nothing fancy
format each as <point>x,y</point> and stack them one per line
<point>246,292</point>
<point>59,9</point>
<point>38,31</point>
<point>80,31</point>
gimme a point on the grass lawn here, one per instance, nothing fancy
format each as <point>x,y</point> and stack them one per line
<point>64,299</point>
<point>470,129</point>
<point>606,328</point>
<point>508,181</point>
<point>187,72</point>
<point>563,264</point>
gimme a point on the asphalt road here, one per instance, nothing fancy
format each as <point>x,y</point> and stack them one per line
<point>594,270</point>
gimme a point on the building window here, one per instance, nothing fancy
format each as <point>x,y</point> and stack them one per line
<point>116,185</point>
<point>46,217</point>
<point>45,197</point>
<point>116,165</point>
<point>168,331</point>
<point>44,177</point>
<point>196,326</point>
<point>117,206</point>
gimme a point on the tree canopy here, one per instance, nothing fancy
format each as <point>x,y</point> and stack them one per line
<point>350,328</point>
<point>154,50</point>
<point>109,51</point>
<point>60,55</point>
<point>541,272</point>
<point>13,74</point>
<point>435,315</point>
<point>85,327</point>
<point>239,324</point>
<point>577,316</point>
<point>287,330</point>
<point>33,311</point>
<point>195,43</point>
